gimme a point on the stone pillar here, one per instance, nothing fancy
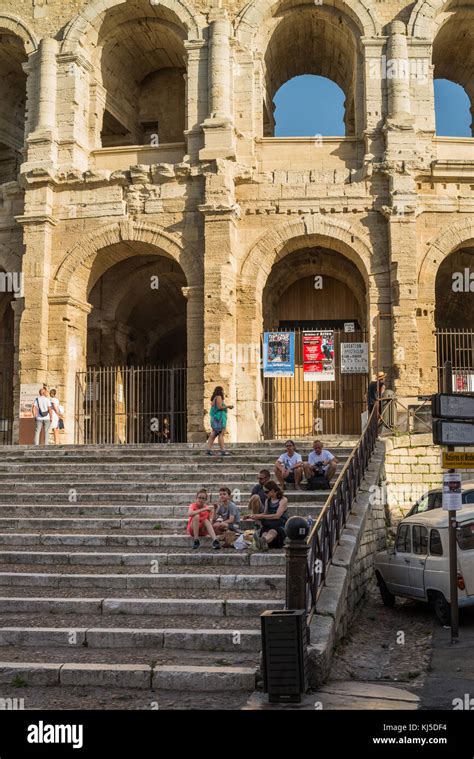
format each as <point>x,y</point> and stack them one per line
<point>73,112</point>
<point>195,363</point>
<point>196,95</point>
<point>398,72</point>
<point>220,341</point>
<point>218,127</point>
<point>68,352</point>
<point>42,145</point>
<point>399,124</point>
<point>33,345</point>
<point>18,306</point>
<point>248,378</point>
<point>404,297</point>
<point>373,100</point>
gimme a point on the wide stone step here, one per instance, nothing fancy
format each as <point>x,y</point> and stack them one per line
<point>194,558</point>
<point>70,539</point>
<point>192,581</point>
<point>65,523</point>
<point>184,678</point>
<point>172,471</point>
<point>136,498</point>
<point>149,606</point>
<point>158,513</point>
<point>117,637</point>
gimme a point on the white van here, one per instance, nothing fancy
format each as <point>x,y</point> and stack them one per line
<point>418,565</point>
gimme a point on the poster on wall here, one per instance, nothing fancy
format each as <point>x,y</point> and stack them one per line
<point>354,358</point>
<point>28,393</point>
<point>279,354</point>
<point>318,356</point>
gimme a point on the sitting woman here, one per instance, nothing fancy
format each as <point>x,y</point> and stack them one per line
<point>199,523</point>
<point>273,519</point>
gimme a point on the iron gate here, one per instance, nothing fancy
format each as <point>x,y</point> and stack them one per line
<point>131,405</point>
<point>291,406</point>
<point>457,346</point>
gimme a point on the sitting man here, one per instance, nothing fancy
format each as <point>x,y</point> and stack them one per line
<point>226,513</point>
<point>289,466</point>
<point>259,496</point>
<point>321,464</point>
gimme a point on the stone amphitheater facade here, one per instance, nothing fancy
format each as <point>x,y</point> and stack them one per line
<point>136,142</point>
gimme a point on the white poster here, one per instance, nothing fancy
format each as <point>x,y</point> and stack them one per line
<point>452,494</point>
<point>28,393</point>
<point>354,358</point>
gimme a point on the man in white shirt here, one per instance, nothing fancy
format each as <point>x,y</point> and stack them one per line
<point>289,466</point>
<point>42,410</point>
<point>320,460</point>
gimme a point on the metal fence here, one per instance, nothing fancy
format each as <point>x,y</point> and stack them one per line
<point>326,532</point>
<point>131,405</point>
<point>293,407</point>
<point>457,346</point>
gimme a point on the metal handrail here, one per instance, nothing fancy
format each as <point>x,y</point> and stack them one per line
<point>327,529</point>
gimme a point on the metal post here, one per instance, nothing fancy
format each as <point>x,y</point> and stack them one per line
<point>296,552</point>
<point>453,558</point>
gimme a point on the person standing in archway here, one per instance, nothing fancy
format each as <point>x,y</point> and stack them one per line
<point>375,391</point>
<point>218,416</point>
<point>42,410</point>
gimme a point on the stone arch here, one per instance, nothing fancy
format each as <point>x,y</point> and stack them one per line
<point>252,16</point>
<point>83,23</point>
<point>307,231</point>
<point>422,18</point>
<point>18,27</point>
<point>458,234</point>
<point>10,260</point>
<point>73,272</point>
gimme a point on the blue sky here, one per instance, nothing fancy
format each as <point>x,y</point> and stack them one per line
<point>299,112</point>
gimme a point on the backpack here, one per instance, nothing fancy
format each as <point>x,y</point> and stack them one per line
<point>318,482</point>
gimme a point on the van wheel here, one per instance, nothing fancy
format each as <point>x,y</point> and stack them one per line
<point>441,608</point>
<point>388,599</point>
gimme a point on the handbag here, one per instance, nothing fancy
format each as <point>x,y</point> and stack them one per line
<point>60,424</point>
<point>41,414</point>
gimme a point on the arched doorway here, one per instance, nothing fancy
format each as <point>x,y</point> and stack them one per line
<point>320,296</point>
<point>454,317</point>
<point>134,388</point>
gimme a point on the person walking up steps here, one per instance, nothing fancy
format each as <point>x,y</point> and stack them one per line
<point>218,416</point>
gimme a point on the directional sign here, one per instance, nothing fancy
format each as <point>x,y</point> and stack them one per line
<point>453,433</point>
<point>455,406</point>
<point>458,460</point>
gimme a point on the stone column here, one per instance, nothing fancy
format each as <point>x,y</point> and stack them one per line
<point>68,352</point>
<point>373,99</point>
<point>18,304</point>
<point>73,112</point>
<point>248,378</point>
<point>42,145</point>
<point>218,127</point>
<point>220,340</point>
<point>196,95</point>
<point>195,363</point>
<point>398,72</point>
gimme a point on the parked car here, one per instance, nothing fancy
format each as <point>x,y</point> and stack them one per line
<point>434,499</point>
<point>417,566</point>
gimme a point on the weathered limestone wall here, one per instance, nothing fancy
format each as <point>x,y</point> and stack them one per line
<point>412,468</point>
<point>216,198</point>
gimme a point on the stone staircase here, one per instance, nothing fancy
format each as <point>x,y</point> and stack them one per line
<point>100,587</point>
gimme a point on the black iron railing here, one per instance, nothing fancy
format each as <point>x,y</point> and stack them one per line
<point>326,531</point>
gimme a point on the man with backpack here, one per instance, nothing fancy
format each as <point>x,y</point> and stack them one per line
<point>321,467</point>
<point>42,410</point>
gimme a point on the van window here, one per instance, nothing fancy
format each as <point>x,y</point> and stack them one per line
<point>465,536</point>
<point>436,547</point>
<point>420,540</point>
<point>468,497</point>
<point>422,505</point>
<point>404,539</point>
<point>436,499</point>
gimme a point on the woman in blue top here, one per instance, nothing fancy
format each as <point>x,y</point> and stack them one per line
<point>218,416</point>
